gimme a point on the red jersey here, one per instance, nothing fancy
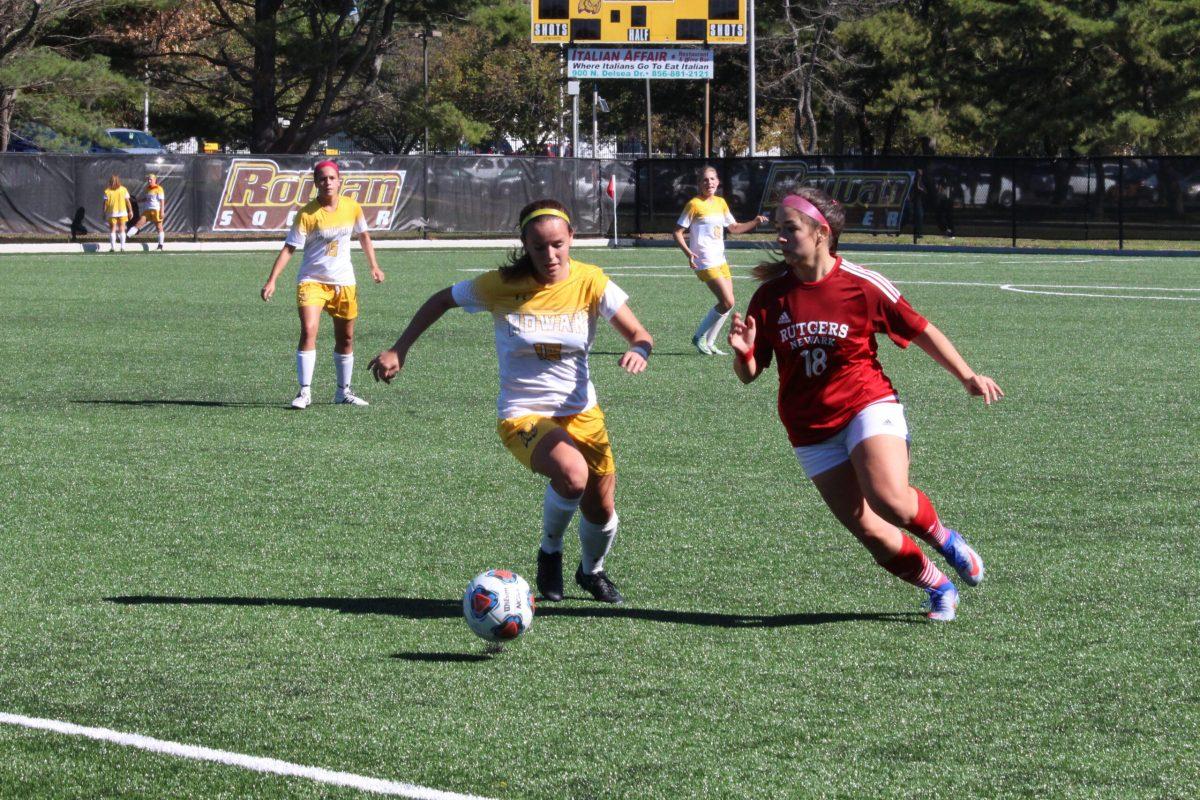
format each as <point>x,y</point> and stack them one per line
<point>823,334</point>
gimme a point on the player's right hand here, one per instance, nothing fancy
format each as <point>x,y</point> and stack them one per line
<point>268,290</point>
<point>386,365</point>
<point>742,334</point>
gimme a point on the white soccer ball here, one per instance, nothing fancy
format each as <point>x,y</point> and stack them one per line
<point>498,605</point>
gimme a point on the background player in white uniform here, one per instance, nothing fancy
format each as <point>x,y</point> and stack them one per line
<point>706,218</point>
<point>154,210</point>
<point>117,209</point>
<point>544,308</point>
<point>326,280</point>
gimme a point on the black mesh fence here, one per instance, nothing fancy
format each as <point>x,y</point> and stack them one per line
<point>1111,198</point>
<point>45,194</point>
<point>1084,199</point>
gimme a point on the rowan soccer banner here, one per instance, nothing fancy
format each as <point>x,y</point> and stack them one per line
<point>261,196</point>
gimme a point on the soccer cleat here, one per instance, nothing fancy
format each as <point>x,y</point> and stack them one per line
<point>701,345</point>
<point>160,247</point>
<point>345,397</point>
<point>549,575</point>
<point>303,398</point>
<point>942,602</point>
<point>599,585</point>
<point>963,558</point>
<point>716,351</point>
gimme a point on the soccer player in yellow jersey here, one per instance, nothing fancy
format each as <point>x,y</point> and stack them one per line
<point>544,307</point>
<point>326,280</point>
<point>706,218</point>
<point>155,211</point>
<point>117,209</point>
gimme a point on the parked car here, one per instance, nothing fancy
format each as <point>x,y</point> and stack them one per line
<point>37,138</point>
<point>135,141</point>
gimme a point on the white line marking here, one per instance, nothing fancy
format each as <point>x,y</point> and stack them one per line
<point>271,765</point>
<point>1011,288</point>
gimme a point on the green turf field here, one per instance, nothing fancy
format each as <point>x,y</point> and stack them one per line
<point>186,558</point>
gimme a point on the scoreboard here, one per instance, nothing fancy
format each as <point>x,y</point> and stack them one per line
<point>684,22</point>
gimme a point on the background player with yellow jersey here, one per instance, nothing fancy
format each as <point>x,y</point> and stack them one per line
<point>117,209</point>
<point>544,308</point>
<point>706,218</point>
<point>154,211</point>
<point>326,280</point>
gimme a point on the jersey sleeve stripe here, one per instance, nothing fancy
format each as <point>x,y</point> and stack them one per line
<point>874,278</point>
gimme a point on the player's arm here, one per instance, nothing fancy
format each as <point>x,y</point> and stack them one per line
<point>281,261</point>
<point>364,239</point>
<point>387,364</point>
<point>941,350</point>
<point>681,240</point>
<point>637,357</point>
<point>749,225</point>
<point>742,333</point>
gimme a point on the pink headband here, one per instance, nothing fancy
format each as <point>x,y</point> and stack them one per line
<point>806,208</point>
<point>328,164</point>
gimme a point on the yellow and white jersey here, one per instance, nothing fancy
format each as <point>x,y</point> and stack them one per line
<point>325,237</point>
<point>706,221</point>
<point>116,202</point>
<point>543,335</point>
<point>156,198</point>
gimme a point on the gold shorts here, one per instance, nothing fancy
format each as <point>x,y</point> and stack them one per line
<point>522,434</point>
<point>712,273</point>
<point>153,216</point>
<point>117,217</point>
<point>340,301</point>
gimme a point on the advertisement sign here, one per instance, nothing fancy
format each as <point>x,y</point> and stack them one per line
<point>259,196</point>
<point>873,200</point>
<point>639,63</point>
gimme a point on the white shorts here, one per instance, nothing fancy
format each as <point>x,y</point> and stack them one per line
<point>885,418</point>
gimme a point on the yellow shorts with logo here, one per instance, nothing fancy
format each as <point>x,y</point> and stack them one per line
<point>340,301</point>
<point>152,216</point>
<point>522,434</point>
<point>119,217</point>
<point>712,273</point>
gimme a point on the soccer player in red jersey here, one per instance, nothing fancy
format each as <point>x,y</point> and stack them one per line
<point>817,315</point>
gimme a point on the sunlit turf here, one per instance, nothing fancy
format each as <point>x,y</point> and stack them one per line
<point>185,557</point>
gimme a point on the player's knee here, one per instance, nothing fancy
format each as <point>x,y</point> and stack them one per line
<point>892,504</point>
<point>723,307</point>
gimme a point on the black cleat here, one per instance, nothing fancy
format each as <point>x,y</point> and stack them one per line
<point>599,586</point>
<point>549,575</point>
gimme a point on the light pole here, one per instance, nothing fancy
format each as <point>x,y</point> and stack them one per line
<point>425,35</point>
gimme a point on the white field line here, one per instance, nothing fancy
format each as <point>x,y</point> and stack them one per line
<point>1019,288</point>
<point>255,763</point>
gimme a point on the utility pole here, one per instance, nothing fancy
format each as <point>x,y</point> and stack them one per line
<point>753,80</point>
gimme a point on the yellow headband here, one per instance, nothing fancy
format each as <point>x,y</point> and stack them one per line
<point>544,212</point>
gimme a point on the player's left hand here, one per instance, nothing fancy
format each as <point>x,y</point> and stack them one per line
<point>632,362</point>
<point>377,274</point>
<point>983,386</point>
<point>386,365</point>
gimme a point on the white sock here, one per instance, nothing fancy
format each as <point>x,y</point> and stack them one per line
<point>556,516</point>
<point>131,232</point>
<point>343,365</point>
<point>112,238</point>
<point>715,332</point>
<point>706,324</point>
<point>161,238</point>
<point>306,362</point>
<point>122,235</point>
<point>595,541</point>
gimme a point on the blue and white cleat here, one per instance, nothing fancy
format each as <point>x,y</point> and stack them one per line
<point>701,345</point>
<point>963,558</point>
<point>942,602</point>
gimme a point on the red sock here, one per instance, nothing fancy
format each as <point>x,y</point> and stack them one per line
<point>911,565</point>
<point>926,524</point>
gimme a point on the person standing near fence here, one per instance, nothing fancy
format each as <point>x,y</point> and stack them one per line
<point>545,307</point>
<point>117,209</point>
<point>326,280</point>
<point>155,211</point>
<point>706,217</point>
<point>817,315</point>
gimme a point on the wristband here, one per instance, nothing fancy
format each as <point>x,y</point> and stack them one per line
<point>642,350</point>
<point>746,357</point>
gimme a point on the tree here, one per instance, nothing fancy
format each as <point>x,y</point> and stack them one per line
<point>47,78</point>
